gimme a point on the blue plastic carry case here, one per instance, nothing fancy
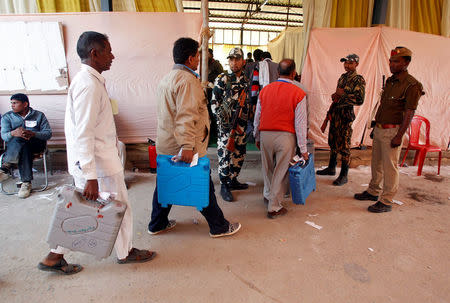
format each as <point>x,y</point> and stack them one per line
<point>180,184</point>
<point>302,180</point>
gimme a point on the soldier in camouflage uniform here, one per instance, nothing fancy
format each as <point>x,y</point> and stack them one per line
<point>225,106</point>
<point>349,92</point>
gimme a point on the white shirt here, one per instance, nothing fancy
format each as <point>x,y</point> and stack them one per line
<point>300,121</point>
<point>89,127</point>
<point>306,99</point>
<point>264,77</point>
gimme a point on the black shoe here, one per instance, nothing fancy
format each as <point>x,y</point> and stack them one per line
<point>4,175</point>
<point>342,179</point>
<point>379,207</point>
<point>365,196</point>
<point>236,185</point>
<point>226,193</point>
<point>274,214</point>
<point>330,171</point>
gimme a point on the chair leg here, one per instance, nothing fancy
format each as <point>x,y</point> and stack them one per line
<point>416,156</point>
<point>404,157</point>
<point>422,155</point>
<point>439,162</point>
<point>44,187</point>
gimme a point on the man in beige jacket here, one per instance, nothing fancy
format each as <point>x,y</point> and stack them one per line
<point>183,123</point>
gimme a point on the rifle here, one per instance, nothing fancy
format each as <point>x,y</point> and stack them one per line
<point>374,111</point>
<point>328,116</point>
<point>241,103</point>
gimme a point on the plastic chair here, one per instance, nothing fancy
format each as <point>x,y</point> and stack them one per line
<point>42,156</point>
<point>421,149</point>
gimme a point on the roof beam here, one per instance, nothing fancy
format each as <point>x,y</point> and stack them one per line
<point>246,2</point>
<point>243,11</point>
<point>247,13</point>
<point>250,30</point>
<point>255,18</point>
<point>283,24</point>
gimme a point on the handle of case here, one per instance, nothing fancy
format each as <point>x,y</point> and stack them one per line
<point>99,200</point>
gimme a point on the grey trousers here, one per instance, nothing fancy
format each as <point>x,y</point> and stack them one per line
<point>277,149</point>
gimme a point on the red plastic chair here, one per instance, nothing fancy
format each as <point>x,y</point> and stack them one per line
<point>421,149</point>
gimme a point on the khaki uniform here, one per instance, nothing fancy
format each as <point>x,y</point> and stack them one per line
<point>400,94</point>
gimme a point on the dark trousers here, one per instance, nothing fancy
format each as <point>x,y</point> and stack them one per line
<point>212,213</point>
<point>20,151</point>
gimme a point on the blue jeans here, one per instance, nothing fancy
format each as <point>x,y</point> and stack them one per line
<point>20,151</point>
<point>212,213</point>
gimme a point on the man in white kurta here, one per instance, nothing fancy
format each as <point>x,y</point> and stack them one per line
<point>91,141</point>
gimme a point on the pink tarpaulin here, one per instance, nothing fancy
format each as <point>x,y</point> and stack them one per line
<point>430,65</point>
<point>142,44</point>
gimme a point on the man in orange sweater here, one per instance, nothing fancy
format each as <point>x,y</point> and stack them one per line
<point>280,125</point>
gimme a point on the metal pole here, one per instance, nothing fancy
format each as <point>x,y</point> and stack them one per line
<point>379,12</point>
<point>106,5</point>
<point>287,17</point>
<point>205,38</point>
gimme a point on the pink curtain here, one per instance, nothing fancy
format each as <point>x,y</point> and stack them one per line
<point>430,65</point>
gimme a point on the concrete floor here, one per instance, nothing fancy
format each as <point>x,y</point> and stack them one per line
<point>401,256</point>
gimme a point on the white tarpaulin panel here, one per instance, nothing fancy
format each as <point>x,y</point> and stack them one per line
<point>430,65</point>
<point>142,45</point>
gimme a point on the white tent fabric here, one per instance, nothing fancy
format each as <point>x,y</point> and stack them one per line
<point>289,44</point>
<point>142,45</point>
<point>398,14</point>
<point>18,6</point>
<point>430,65</point>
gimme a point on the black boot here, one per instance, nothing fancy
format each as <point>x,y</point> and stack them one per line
<point>331,169</point>
<point>226,193</point>
<point>342,179</point>
<point>236,185</point>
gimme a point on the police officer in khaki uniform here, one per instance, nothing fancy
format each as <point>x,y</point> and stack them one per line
<point>399,100</point>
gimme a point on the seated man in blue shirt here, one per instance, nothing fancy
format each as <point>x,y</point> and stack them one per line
<point>25,132</point>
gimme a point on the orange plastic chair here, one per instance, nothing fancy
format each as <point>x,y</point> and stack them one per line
<point>421,149</point>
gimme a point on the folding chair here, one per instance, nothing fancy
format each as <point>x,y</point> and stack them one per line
<point>42,156</point>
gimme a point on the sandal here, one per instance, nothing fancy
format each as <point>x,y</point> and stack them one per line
<point>137,256</point>
<point>62,267</point>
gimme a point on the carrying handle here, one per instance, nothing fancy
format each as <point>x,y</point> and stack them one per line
<point>304,164</point>
<point>79,192</point>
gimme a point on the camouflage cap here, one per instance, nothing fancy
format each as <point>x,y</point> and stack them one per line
<point>351,57</point>
<point>400,51</point>
<point>236,52</point>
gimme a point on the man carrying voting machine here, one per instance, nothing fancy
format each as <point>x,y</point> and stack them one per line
<point>279,127</point>
<point>182,135</point>
<point>94,163</point>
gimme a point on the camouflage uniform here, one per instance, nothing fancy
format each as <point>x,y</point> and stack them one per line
<point>342,114</point>
<point>225,106</point>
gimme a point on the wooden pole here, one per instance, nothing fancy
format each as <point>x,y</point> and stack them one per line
<point>205,38</point>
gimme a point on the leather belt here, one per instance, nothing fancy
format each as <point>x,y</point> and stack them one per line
<point>379,125</point>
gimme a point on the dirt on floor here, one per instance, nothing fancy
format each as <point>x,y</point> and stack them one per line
<point>356,256</point>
